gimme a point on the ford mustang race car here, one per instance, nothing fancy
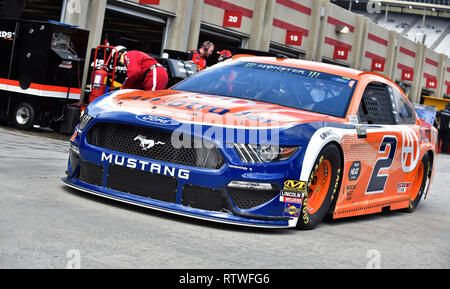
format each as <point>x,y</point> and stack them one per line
<point>258,141</point>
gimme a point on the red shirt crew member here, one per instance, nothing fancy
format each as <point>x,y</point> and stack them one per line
<point>143,71</point>
<point>199,56</point>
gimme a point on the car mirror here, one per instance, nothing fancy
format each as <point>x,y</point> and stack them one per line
<point>361,131</point>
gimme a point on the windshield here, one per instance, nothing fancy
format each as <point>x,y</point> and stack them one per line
<point>293,87</point>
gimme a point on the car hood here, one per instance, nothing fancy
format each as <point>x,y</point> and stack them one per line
<point>174,106</point>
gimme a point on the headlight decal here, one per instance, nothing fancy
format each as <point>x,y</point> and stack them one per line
<point>85,119</point>
<point>250,153</point>
<point>247,153</point>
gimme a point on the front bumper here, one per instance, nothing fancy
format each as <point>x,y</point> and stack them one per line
<point>178,209</point>
<point>184,190</point>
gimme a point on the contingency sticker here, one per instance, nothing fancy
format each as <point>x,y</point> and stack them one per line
<point>402,187</point>
<point>293,191</point>
<point>291,210</point>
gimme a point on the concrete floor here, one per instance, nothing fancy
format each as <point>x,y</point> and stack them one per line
<point>44,224</point>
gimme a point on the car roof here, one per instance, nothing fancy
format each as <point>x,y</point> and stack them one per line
<point>305,64</point>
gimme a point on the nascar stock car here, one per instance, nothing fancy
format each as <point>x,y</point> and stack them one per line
<point>258,141</point>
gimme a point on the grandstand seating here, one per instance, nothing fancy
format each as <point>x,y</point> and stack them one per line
<point>398,22</point>
<point>444,46</point>
<point>410,26</point>
<point>433,28</point>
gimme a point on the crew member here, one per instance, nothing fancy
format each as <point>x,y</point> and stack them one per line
<point>199,56</point>
<point>444,127</point>
<point>143,71</point>
<point>224,55</point>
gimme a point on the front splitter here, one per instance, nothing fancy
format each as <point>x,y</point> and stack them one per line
<point>201,214</point>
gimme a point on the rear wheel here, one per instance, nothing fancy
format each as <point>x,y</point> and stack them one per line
<point>24,116</point>
<point>419,184</point>
<point>324,182</point>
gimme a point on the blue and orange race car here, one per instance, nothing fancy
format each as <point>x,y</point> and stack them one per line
<point>258,141</point>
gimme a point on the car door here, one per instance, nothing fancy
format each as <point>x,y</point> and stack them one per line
<point>376,152</point>
<point>405,118</point>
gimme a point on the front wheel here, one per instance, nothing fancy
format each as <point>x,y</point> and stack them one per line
<point>324,182</point>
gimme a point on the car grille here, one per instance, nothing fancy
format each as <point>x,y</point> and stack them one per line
<point>203,198</point>
<point>247,199</point>
<point>91,173</point>
<point>122,138</point>
<point>144,184</point>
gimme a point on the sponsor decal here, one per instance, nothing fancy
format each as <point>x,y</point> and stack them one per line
<point>291,197</point>
<point>8,35</point>
<point>355,170</point>
<point>157,119</point>
<point>402,187</point>
<point>145,166</point>
<point>240,167</point>
<point>65,64</point>
<point>294,185</point>
<point>146,144</point>
<point>281,69</point>
<point>293,191</point>
<point>353,119</point>
<point>410,150</point>
<point>325,134</point>
<point>75,133</point>
<point>222,100</point>
<point>195,106</point>
<point>291,210</point>
<point>349,195</point>
<point>349,192</point>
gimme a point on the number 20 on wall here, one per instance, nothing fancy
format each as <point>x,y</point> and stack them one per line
<point>232,19</point>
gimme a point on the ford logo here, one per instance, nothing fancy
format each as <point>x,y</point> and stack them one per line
<point>157,119</point>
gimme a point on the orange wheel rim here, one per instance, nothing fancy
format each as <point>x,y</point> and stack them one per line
<point>417,181</point>
<point>319,186</point>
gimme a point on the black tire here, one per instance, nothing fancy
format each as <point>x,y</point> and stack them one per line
<point>426,175</point>
<point>24,116</point>
<point>307,220</point>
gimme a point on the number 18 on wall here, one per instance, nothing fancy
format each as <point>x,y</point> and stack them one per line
<point>293,38</point>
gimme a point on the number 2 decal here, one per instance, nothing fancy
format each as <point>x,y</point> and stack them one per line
<point>378,181</point>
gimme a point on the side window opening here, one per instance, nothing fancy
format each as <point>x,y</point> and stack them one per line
<point>375,107</point>
<point>403,112</point>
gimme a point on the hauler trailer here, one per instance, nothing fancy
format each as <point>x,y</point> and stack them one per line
<point>41,73</point>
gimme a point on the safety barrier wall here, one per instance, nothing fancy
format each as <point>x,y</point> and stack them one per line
<point>291,24</point>
<point>375,54</point>
<point>406,60</point>
<point>430,70</point>
<point>340,47</point>
<point>309,27</point>
<point>236,15</point>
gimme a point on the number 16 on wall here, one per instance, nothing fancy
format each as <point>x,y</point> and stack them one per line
<point>340,53</point>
